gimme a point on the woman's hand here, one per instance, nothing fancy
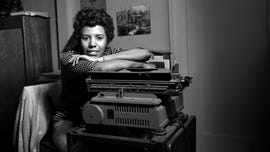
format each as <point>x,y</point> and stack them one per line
<point>75,59</point>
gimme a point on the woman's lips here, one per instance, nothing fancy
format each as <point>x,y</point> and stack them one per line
<point>92,52</point>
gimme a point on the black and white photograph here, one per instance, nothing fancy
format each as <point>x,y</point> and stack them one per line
<point>135,75</point>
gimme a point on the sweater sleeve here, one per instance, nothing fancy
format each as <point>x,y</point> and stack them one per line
<point>82,67</point>
<point>109,51</point>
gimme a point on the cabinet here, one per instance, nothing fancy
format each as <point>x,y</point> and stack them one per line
<point>25,53</point>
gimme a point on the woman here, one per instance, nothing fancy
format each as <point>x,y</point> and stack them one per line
<point>86,51</point>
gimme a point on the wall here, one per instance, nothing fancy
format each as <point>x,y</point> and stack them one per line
<point>67,9</point>
<point>178,33</point>
<point>101,4</point>
<point>228,53</point>
<point>159,37</point>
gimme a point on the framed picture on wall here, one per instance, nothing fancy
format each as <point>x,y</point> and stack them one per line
<point>134,20</point>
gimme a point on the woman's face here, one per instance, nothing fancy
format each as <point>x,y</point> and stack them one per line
<point>93,40</point>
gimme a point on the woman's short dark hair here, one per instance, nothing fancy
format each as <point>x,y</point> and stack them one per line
<point>91,17</point>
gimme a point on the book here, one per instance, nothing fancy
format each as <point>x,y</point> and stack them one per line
<point>30,13</point>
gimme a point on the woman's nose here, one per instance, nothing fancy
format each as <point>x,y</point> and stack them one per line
<point>92,43</point>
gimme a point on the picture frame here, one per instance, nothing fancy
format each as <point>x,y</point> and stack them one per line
<point>134,20</point>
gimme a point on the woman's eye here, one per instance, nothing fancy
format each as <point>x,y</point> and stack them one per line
<point>85,38</point>
<point>100,37</point>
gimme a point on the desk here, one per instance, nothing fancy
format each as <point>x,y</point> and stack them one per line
<point>178,137</point>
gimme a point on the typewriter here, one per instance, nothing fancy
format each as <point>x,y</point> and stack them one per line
<point>139,109</point>
<point>135,98</point>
